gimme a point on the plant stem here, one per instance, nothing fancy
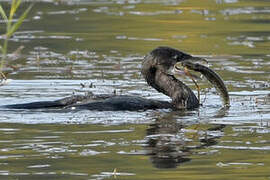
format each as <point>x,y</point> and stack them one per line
<point>4,54</point>
<point>10,29</point>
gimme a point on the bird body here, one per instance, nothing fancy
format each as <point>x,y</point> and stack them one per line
<point>156,69</point>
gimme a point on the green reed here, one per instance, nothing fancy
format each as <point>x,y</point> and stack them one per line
<point>11,28</point>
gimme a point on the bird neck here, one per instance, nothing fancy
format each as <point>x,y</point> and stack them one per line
<point>182,96</point>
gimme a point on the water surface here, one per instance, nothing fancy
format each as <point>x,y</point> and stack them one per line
<point>71,47</point>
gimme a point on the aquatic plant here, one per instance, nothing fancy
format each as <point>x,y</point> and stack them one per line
<point>11,27</point>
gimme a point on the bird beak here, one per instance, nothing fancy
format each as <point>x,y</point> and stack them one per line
<point>180,71</point>
<point>198,60</point>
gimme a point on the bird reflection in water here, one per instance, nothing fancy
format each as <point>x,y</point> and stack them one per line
<point>170,143</point>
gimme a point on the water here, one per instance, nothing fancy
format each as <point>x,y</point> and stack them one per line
<point>71,47</point>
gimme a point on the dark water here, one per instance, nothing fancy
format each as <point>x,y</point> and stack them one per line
<point>101,44</point>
